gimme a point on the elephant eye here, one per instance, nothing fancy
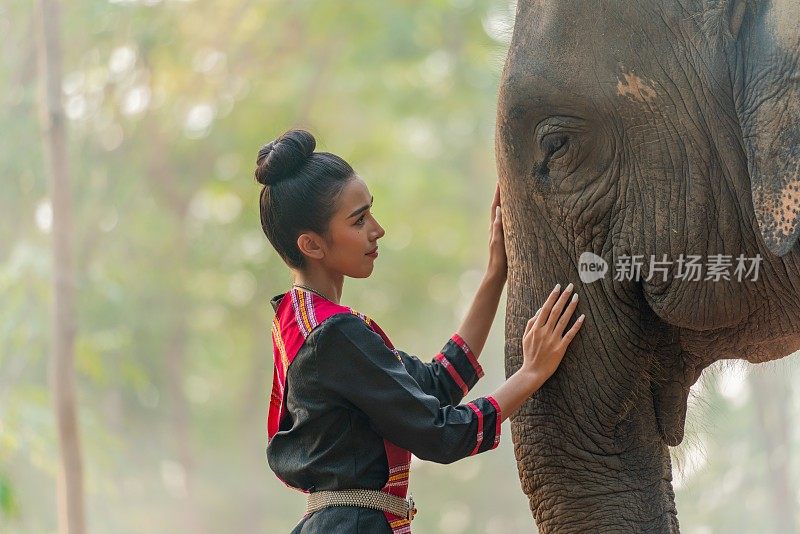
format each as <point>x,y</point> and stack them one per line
<point>555,145</point>
<point>555,137</point>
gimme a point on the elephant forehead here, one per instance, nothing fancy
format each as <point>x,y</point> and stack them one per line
<point>782,20</point>
<point>631,85</point>
<point>617,47</point>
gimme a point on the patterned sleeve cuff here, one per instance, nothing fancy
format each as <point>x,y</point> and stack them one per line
<point>498,414</point>
<point>473,361</point>
<point>460,362</point>
<point>489,417</point>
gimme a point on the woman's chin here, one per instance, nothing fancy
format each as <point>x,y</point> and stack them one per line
<point>363,273</point>
<point>367,273</point>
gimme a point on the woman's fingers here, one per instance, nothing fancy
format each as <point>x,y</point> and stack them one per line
<point>529,326</point>
<point>496,228</point>
<point>567,315</point>
<point>558,307</point>
<point>496,216</point>
<point>495,203</point>
<point>547,306</point>
<point>570,335</point>
<point>531,321</point>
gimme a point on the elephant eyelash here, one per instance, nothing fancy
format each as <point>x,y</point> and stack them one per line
<point>555,135</point>
<point>555,145</point>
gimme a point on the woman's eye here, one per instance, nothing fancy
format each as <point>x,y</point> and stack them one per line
<point>360,220</point>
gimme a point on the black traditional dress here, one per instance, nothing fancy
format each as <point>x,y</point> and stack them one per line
<point>348,409</point>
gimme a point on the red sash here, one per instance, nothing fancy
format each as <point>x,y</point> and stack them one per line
<point>298,314</point>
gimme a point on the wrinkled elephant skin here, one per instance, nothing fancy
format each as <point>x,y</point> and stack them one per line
<point>658,130</point>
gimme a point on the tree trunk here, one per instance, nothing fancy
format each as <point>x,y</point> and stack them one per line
<point>69,491</point>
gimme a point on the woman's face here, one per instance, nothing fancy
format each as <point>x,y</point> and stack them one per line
<point>353,233</point>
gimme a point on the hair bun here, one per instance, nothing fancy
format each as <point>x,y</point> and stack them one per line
<point>280,158</point>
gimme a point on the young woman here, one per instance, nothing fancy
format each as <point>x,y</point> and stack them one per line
<point>347,409</point>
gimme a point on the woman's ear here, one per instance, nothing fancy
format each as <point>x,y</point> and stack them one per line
<point>311,245</point>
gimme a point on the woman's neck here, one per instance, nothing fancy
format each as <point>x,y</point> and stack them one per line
<point>328,287</point>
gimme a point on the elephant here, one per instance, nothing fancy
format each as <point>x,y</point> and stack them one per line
<point>644,133</point>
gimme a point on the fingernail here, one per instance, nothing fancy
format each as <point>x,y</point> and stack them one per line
<point>557,288</point>
<point>574,297</point>
<point>582,317</point>
<point>569,287</point>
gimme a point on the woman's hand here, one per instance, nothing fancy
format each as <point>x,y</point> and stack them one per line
<point>498,263</point>
<point>475,327</point>
<point>543,348</point>
<point>544,341</point>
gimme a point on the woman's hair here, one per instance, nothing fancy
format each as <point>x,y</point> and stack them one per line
<point>301,188</point>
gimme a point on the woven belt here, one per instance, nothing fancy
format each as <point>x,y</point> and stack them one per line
<point>377,500</point>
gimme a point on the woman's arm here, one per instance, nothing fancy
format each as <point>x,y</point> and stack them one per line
<point>449,375</point>
<point>475,327</point>
<point>545,339</point>
<point>354,365</point>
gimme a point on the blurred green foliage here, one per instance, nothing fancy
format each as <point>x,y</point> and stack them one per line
<point>8,501</point>
<point>168,104</point>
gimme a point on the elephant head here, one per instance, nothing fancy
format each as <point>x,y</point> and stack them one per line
<point>651,132</point>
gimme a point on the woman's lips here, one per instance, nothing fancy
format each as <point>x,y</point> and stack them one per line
<point>373,254</point>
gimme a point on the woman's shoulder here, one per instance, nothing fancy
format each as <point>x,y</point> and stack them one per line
<point>347,339</point>
<point>351,331</point>
<point>345,324</point>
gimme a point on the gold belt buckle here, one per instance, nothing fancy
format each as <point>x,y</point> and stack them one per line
<point>412,510</point>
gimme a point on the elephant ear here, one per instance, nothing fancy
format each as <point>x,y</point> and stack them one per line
<point>767,93</point>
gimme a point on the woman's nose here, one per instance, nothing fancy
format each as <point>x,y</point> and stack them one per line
<point>380,231</point>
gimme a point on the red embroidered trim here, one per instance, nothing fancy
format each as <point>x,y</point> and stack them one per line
<point>479,437</point>
<point>452,371</point>
<point>498,420</point>
<point>470,355</point>
<point>401,526</point>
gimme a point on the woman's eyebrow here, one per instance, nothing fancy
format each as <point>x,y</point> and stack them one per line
<point>362,208</point>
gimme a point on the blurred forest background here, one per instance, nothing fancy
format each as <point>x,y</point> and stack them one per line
<point>167,103</point>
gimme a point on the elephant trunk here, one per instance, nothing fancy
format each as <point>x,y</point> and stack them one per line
<point>589,446</point>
